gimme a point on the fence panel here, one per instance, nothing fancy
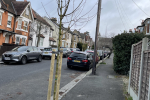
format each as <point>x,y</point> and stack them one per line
<point>145,76</point>
<point>135,72</point>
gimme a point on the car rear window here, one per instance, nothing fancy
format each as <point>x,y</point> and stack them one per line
<point>91,53</point>
<point>47,49</point>
<point>80,55</point>
<point>64,49</point>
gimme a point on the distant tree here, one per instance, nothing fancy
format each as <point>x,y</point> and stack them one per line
<point>79,45</point>
<point>93,46</point>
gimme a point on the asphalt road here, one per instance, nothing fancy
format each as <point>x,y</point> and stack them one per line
<point>30,81</point>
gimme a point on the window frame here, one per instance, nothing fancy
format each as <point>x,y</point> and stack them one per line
<point>25,27</point>
<point>9,20</point>
<point>1,17</point>
<point>24,41</point>
<point>27,11</point>
<point>19,26</point>
<point>17,42</point>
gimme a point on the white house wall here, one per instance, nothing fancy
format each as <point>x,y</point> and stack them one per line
<point>56,29</point>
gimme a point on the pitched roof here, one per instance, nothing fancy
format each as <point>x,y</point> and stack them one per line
<point>13,6</point>
<point>51,39</point>
<point>20,6</point>
<point>10,6</point>
<point>39,18</point>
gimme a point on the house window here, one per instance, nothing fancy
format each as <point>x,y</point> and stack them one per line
<point>49,43</point>
<point>75,37</point>
<point>23,41</point>
<point>9,21</point>
<point>19,23</point>
<point>17,40</point>
<point>25,26</point>
<point>46,29</point>
<point>62,44</point>
<point>27,11</point>
<point>1,18</point>
<point>68,36</point>
<point>41,41</point>
<point>63,35</point>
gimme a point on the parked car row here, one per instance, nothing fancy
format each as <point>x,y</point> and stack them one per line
<point>23,54</point>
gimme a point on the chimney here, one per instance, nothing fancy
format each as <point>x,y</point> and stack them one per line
<point>130,30</point>
<point>25,0</point>
<point>54,20</point>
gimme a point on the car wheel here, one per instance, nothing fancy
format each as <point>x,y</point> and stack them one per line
<point>23,60</point>
<point>39,58</point>
<point>66,56</point>
<point>68,66</point>
<point>7,63</point>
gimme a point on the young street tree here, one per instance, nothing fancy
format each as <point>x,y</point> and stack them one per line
<point>75,16</point>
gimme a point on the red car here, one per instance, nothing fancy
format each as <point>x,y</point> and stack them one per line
<point>92,52</point>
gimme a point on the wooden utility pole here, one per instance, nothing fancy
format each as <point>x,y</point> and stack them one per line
<point>96,34</point>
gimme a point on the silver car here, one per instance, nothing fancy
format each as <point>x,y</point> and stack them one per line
<point>22,54</point>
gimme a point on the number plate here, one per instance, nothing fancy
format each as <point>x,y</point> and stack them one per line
<point>7,58</point>
<point>77,61</point>
<point>46,52</point>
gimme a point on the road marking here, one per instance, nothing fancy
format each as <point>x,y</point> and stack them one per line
<point>64,90</point>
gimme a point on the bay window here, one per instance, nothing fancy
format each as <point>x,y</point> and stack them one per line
<point>17,40</point>
<point>23,41</point>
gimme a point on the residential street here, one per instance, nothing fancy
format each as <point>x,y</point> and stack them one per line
<point>30,81</point>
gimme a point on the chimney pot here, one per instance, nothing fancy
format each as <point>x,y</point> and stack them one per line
<point>25,0</point>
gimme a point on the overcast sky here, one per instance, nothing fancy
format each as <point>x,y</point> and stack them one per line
<point>111,22</point>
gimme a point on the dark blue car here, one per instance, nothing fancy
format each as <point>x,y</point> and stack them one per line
<point>80,59</point>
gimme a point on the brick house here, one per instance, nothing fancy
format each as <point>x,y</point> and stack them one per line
<point>15,18</point>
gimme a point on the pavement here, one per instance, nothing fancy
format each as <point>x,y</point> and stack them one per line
<point>102,86</point>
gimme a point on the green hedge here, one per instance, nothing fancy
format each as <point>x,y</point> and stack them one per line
<point>122,44</point>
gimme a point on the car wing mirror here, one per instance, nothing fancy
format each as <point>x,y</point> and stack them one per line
<point>28,50</point>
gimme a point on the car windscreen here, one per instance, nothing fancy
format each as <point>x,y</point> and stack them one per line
<point>24,48</point>
<point>64,49</point>
<point>79,55</point>
<point>47,49</point>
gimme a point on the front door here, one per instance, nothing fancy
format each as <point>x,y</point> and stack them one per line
<point>6,38</point>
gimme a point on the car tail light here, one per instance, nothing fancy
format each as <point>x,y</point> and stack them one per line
<point>69,58</point>
<point>71,51</point>
<point>84,60</point>
<point>50,52</point>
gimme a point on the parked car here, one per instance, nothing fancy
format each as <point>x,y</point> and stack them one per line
<point>22,54</point>
<point>80,59</point>
<point>77,49</point>
<point>92,53</point>
<point>66,52</point>
<point>47,52</point>
<point>72,49</point>
<point>105,54</point>
<point>100,54</point>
